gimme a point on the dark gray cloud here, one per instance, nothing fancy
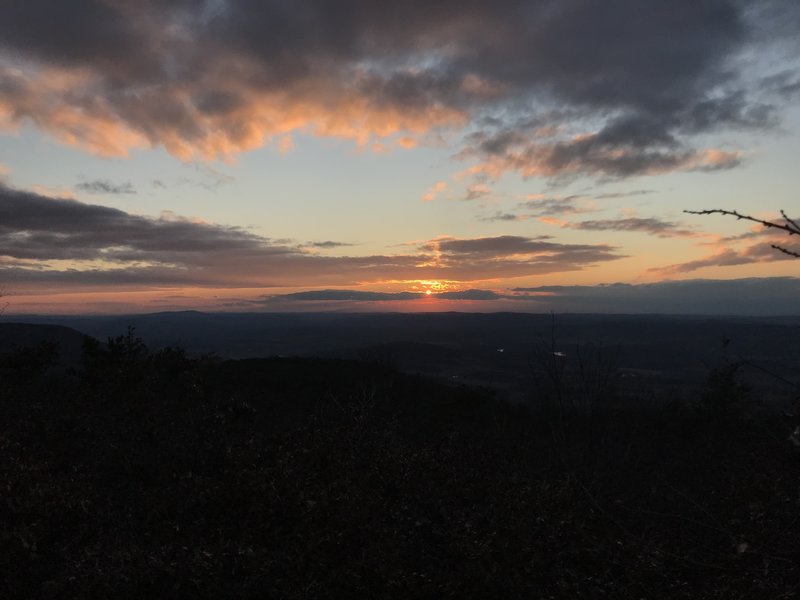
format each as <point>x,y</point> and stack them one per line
<point>468,295</point>
<point>630,146</point>
<point>367,296</point>
<point>613,195</point>
<point>71,243</point>
<point>756,296</point>
<point>493,246</point>
<point>633,81</point>
<point>327,244</point>
<point>104,186</point>
<point>37,227</point>
<point>502,216</point>
<point>342,295</point>
<point>556,207</point>
<point>477,191</point>
<point>81,32</point>
<point>786,84</point>
<point>651,225</point>
<point>547,207</point>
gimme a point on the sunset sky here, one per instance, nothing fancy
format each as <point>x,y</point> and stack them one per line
<point>526,155</point>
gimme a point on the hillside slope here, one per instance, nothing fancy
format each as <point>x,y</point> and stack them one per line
<point>155,475</point>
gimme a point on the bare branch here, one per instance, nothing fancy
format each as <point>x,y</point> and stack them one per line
<point>785,251</point>
<point>791,222</point>
<point>790,226</point>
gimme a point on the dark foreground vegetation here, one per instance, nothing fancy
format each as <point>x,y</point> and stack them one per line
<point>148,474</point>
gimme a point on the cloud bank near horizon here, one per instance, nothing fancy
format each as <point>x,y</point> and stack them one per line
<point>775,296</point>
<point>62,242</point>
<point>769,296</point>
<point>47,241</point>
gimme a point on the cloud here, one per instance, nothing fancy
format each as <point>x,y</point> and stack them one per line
<point>340,295</point>
<point>503,245</point>
<point>61,241</point>
<point>503,216</point>
<point>476,191</point>
<point>654,226</point>
<point>786,84</point>
<point>552,209</point>
<point>617,151</point>
<point>511,256</point>
<point>545,208</point>
<point>726,257</point>
<point>39,227</point>
<point>103,186</point>
<point>435,191</point>
<point>612,195</point>
<point>547,88</point>
<point>555,206</point>
<point>758,245</point>
<point>370,296</point>
<point>328,244</point>
<point>754,296</point>
<point>468,295</point>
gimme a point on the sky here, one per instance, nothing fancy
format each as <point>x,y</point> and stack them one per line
<point>287,155</point>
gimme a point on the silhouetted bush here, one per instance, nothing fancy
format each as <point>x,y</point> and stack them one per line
<point>156,475</point>
<point>726,394</point>
<point>27,365</point>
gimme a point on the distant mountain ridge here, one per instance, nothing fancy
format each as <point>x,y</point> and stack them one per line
<point>491,349</point>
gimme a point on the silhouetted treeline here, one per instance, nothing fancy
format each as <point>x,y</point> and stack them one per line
<point>150,474</point>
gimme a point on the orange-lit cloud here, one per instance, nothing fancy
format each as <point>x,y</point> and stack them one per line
<point>758,247</point>
<point>435,191</point>
<point>185,121</point>
<point>553,221</point>
<point>213,79</point>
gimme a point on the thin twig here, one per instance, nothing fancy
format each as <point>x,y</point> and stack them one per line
<point>772,374</point>
<point>785,251</point>
<point>640,539</point>
<point>791,227</point>
<point>790,221</point>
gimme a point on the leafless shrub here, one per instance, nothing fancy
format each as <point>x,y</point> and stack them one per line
<point>726,393</point>
<point>574,388</point>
